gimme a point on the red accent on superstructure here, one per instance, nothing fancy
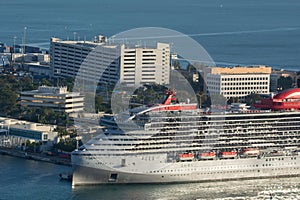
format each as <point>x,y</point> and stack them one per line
<point>167,104</point>
<point>175,107</point>
<point>286,100</point>
<point>170,97</point>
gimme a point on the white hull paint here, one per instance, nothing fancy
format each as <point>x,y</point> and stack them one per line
<point>196,171</point>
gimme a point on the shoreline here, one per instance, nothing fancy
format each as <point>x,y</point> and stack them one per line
<point>34,156</point>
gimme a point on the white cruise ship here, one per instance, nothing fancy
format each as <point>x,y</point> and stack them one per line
<point>178,142</point>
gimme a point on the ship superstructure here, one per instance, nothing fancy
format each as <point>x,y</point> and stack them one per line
<point>178,142</point>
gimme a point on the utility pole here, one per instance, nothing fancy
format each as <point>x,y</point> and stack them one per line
<point>74,33</point>
<point>13,53</point>
<point>24,44</point>
<point>24,39</point>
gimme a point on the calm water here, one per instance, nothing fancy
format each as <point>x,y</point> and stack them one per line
<point>232,31</point>
<point>27,179</point>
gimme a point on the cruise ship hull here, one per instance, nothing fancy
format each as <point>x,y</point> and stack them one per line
<point>215,170</point>
<point>175,142</point>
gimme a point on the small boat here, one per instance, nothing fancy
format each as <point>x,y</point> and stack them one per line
<point>66,176</point>
<point>186,156</point>
<point>207,155</point>
<point>251,152</point>
<point>228,154</point>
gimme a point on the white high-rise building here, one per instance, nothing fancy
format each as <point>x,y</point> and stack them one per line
<point>91,58</point>
<point>238,81</point>
<point>145,65</point>
<point>101,62</point>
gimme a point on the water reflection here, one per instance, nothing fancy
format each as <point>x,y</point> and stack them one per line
<point>283,188</point>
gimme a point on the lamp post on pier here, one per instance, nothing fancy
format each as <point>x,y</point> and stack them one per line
<point>24,40</point>
<point>24,44</point>
<point>13,53</point>
<point>74,33</point>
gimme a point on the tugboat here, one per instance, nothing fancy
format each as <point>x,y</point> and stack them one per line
<point>66,176</point>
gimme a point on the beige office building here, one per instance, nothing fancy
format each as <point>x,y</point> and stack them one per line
<point>238,81</point>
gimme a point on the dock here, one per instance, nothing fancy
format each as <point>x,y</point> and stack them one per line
<point>34,156</point>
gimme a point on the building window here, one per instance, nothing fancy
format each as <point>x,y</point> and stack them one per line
<point>45,136</point>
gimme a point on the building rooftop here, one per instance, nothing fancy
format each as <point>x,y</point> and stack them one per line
<point>25,125</point>
<point>242,70</point>
<point>99,40</point>
<point>54,90</point>
<point>47,90</point>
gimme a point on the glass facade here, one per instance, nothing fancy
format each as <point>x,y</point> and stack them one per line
<point>30,134</point>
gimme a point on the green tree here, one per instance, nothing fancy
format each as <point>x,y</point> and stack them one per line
<point>67,145</point>
<point>61,131</point>
<point>285,82</point>
<point>68,82</point>
<point>233,100</point>
<point>8,100</point>
<point>26,84</point>
<point>218,100</point>
<point>46,82</point>
<point>252,98</point>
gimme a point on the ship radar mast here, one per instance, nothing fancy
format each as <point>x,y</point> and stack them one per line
<point>170,97</point>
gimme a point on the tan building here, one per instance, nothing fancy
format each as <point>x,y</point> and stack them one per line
<point>57,98</point>
<point>238,81</point>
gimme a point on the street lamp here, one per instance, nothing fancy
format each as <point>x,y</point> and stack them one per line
<point>200,100</point>
<point>13,53</point>
<point>24,39</point>
<point>74,33</point>
<point>24,42</point>
<point>14,47</point>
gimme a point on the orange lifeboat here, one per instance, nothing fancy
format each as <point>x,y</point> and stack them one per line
<point>251,152</point>
<point>186,156</point>
<point>207,155</point>
<point>228,154</point>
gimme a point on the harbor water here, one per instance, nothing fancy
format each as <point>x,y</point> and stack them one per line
<point>28,179</point>
<point>233,32</point>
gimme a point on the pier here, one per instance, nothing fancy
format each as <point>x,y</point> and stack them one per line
<point>35,156</point>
